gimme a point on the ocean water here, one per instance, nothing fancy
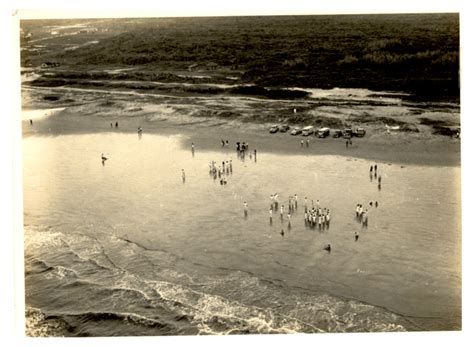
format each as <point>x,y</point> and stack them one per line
<point>128,248</point>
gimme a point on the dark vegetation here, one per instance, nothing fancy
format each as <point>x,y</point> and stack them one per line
<point>51,98</point>
<point>446,131</point>
<point>440,127</point>
<point>415,53</point>
<point>270,93</point>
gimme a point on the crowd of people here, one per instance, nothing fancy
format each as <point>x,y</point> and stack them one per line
<point>315,216</point>
<point>220,171</point>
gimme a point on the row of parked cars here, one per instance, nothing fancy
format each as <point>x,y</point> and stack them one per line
<point>322,132</point>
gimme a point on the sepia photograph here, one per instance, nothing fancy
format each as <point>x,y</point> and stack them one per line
<point>243,174</point>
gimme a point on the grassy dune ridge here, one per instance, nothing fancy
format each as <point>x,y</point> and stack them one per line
<point>416,53</point>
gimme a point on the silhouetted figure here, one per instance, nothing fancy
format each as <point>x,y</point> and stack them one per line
<point>327,248</point>
<point>356,236</point>
<point>282,233</point>
<point>116,124</point>
<point>103,158</point>
<point>365,218</point>
<point>376,204</point>
<point>183,175</point>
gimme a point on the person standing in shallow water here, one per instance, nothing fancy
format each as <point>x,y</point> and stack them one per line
<point>183,175</point>
<point>116,124</point>
<point>245,209</point>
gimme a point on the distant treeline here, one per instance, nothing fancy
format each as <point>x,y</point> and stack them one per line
<point>417,53</point>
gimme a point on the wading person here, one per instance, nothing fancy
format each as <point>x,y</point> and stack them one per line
<point>103,158</point>
<point>365,218</point>
<point>245,209</point>
<point>183,175</point>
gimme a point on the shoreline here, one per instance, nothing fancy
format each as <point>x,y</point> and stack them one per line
<point>394,149</point>
<point>205,121</point>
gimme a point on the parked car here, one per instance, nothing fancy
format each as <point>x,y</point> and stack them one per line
<point>323,132</point>
<point>360,132</point>
<point>295,131</point>
<point>309,130</point>
<point>284,128</point>
<point>347,134</point>
<point>273,129</point>
<point>337,133</point>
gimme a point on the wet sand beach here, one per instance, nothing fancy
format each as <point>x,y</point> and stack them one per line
<point>176,256</point>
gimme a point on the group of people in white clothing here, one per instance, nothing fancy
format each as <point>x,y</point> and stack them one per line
<point>316,216</point>
<point>361,215</point>
<point>220,171</point>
